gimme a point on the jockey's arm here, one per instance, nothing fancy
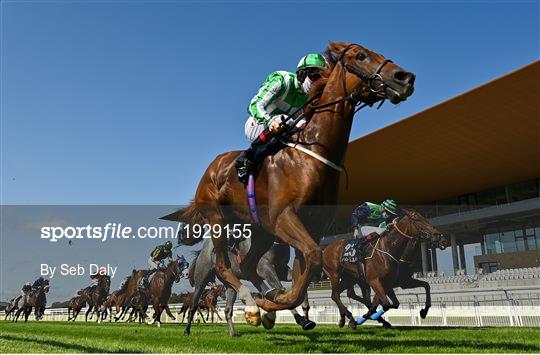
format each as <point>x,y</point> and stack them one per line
<point>359,215</point>
<point>272,88</point>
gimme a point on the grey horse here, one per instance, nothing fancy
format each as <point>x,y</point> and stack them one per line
<point>272,267</point>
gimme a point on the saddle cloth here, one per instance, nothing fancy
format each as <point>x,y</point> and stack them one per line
<point>351,252</point>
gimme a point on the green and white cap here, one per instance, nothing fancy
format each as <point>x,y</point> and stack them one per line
<point>390,206</point>
<point>312,60</point>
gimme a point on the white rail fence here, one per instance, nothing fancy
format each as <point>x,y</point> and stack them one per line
<point>516,307</point>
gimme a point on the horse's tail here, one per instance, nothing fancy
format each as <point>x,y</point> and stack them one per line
<point>190,215</point>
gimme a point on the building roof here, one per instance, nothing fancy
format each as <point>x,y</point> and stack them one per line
<point>483,138</point>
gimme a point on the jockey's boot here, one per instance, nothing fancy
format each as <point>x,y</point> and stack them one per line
<point>244,165</point>
<point>248,162</point>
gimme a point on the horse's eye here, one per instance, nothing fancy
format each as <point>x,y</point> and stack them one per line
<point>361,56</point>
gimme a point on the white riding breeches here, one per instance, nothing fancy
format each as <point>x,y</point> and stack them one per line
<point>253,128</point>
<point>366,230</point>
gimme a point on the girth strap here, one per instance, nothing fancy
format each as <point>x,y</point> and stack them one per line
<point>313,154</point>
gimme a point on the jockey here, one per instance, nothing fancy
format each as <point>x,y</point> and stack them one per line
<point>281,93</point>
<point>158,255</point>
<point>37,283</point>
<point>369,220</point>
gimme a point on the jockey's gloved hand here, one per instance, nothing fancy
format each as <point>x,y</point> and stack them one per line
<point>274,126</point>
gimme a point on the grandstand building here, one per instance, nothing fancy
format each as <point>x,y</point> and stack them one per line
<point>471,164</point>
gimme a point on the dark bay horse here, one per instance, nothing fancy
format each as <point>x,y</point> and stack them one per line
<point>387,268</point>
<point>36,299</point>
<point>94,296</point>
<point>161,286</point>
<point>75,305</point>
<point>291,180</point>
<point>132,295</point>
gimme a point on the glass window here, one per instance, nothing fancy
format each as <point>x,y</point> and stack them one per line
<point>520,243</point>
<point>508,242</point>
<point>492,243</point>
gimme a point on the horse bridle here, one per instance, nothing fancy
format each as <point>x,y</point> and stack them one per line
<point>369,79</point>
<point>182,266</point>
<point>422,233</point>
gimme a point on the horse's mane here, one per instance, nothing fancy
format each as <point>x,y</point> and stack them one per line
<point>331,55</point>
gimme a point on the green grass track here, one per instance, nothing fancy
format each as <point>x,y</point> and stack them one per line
<point>55,337</point>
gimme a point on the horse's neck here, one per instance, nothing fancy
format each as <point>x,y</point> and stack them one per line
<point>330,127</point>
<point>394,242</point>
<point>169,274</point>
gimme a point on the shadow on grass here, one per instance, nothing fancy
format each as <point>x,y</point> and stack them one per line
<point>61,346</point>
<point>372,340</point>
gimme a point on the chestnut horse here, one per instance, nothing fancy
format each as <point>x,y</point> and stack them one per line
<point>125,295</point>
<point>75,305</point>
<point>208,301</point>
<point>387,268</point>
<point>161,285</point>
<point>291,180</point>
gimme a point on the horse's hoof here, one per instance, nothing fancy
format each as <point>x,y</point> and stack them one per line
<point>423,313</point>
<point>341,323</point>
<point>268,321</point>
<point>352,324</point>
<point>253,315</point>
<point>309,324</point>
<point>186,332</point>
<point>387,325</point>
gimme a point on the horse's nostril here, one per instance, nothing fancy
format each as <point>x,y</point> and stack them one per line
<point>404,76</point>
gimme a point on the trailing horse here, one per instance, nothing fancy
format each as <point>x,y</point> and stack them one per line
<point>36,299</point>
<point>96,295</point>
<point>291,180</point>
<point>161,285</point>
<point>11,308</point>
<point>75,305</point>
<point>272,267</point>
<point>387,267</point>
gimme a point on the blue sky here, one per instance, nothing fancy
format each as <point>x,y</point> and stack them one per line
<point>127,102</point>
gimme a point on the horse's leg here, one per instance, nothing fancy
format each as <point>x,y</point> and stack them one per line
<point>214,310</point>
<point>193,307</point>
<point>27,314</point>
<point>69,314</point>
<point>226,274</point>
<point>169,313</point>
<point>414,283</point>
<point>380,298</point>
<point>90,307</point>
<point>290,230</point>
<point>267,271</point>
<point>337,288</point>
<point>230,297</point>
<point>306,306</point>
